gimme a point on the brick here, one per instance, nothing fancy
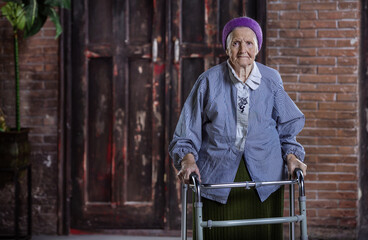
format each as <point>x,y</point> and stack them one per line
<point>50,50</point>
<point>323,204</point>
<point>337,70</point>
<point>347,203</point>
<point>306,78</point>
<point>287,78</point>
<point>347,97</point>
<point>346,168</point>
<point>317,61</point>
<point>338,15</point>
<point>304,105</point>
<point>300,87</point>
<point>273,52</point>
<point>347,132</point>
<point>318,132</point>
<point>318,6</point>
<point>290,15</point>
<point>322,115</point>
<point>338,141</point>
<point>317,96</point>
<point>272,15</point>
<point>277,42</point>
<point>344,61</point>
<point>337,159</point>
<point>282,6</point>
<point>336,213</point>
<point>317,43</point>
<point>308,141</point>
<point>336,33</point>
<point>298,52</point>
<point>337,195</point>
<point>336,88</point>
<point>50,67</point>
<point>283,60</point>
<point>349,24</point>
<point>344,43</point>
<point>347,79</point>
<point>349,223</point>
<point>322,222</point>
<point>294,33</point>
<point>282,24</point>
<point>339,53</point>
<point>331,150</point>
<point>348,5</point>
<point>336,123</point>
<point>322,168</point>
<point>309,123</point>
<point>49,33</point>
<point>338,106</point>
<point>298,69</point>
<point>337,177</point>
<point>318,24</point>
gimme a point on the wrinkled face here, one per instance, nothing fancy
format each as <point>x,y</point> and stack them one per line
<point>242,47</point>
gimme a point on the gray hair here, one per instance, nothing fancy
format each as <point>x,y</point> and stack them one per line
<point>230,38</point>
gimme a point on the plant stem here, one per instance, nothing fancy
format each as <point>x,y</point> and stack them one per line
<point>16,71</point>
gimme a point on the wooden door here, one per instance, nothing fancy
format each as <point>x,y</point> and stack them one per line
<point>133,63</point>
<point>117,110</point>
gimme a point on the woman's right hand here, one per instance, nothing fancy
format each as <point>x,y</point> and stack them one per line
<point>188,166</point>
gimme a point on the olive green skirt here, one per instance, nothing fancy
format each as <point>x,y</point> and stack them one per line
<point>243,204</point>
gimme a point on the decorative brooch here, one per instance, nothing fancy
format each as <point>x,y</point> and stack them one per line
<point>243,101</point>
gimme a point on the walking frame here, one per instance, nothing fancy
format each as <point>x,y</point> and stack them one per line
<point>292,219</point>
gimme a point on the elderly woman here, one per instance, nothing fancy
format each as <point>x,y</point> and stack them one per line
<point>239,124</point>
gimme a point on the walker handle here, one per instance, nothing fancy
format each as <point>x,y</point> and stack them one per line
<point>193,178</point>
<point>299,175</point>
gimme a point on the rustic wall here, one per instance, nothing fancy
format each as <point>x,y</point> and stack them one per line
<point>39,84</point>
<point>315,46</point>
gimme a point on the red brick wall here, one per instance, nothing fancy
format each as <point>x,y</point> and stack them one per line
<point>315,46</point>
<point>39,84</point>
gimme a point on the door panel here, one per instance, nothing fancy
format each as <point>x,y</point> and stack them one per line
<point>139,169</point>
<point>118,103</point>
<point>99,130</point>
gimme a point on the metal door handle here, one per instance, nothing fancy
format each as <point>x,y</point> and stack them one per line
<point>154,50</point>
<point>176,50</point>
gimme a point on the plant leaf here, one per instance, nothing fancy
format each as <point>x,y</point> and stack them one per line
<point>36,27</point>
<point>20,20</point>
<point>15,15</point>
<point>31,10</point>
<point>55,19</point>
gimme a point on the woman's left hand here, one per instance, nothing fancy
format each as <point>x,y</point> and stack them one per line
<point>293,162</point>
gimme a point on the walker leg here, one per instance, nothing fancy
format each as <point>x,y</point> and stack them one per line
<point>291,212</point>
<point>184,195</point>
<point>303,223</point>
<point>199,229</point>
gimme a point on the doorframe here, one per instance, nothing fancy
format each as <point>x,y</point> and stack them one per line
<point>64,120</point>
<point>362,228</point>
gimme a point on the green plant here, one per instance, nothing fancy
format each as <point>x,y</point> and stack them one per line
<point>29,16</point>
<point>3,126</point>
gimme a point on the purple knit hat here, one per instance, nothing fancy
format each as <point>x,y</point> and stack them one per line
<point>242,22</point>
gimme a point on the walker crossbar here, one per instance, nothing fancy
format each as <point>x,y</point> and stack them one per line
<point>247,222</point>
<point>293,218</point>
